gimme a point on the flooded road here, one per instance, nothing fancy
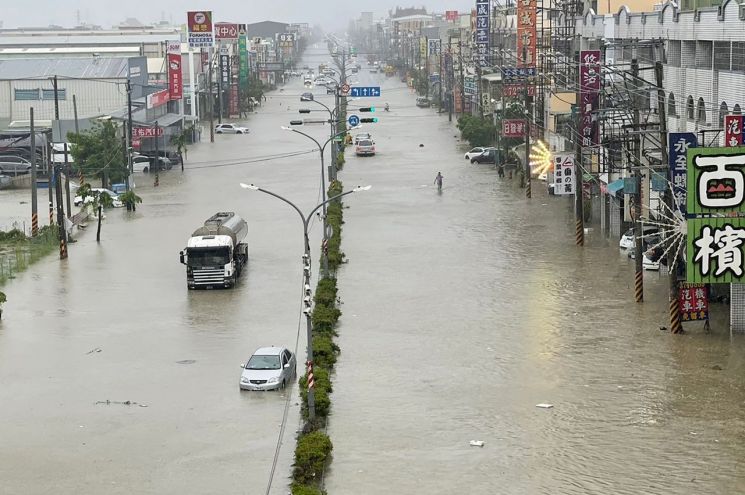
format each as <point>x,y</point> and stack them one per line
<point>462,311</point>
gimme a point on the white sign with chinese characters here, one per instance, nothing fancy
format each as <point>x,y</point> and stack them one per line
<point>564,180</point>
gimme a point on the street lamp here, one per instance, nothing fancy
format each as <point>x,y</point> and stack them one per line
<point>307,300</point>
<point>322,149</point>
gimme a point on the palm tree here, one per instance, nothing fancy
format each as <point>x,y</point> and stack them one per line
<point>130,199</point>
<point>179,141</point>
<point>101,200</point>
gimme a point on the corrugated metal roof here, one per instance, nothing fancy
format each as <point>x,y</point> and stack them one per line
<point>89,67</point>
<point>85,40</point>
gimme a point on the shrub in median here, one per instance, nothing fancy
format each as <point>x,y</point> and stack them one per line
<point>298,489</point>
<point>311,454</point>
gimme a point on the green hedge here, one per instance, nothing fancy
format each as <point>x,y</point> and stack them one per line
<point>311,454</point>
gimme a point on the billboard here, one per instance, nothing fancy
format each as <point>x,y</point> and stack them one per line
<point>226,31</point>
<point>225,70</point>
<point>589,91</point>
<point>513,128</point>
<point>482,32</point>
<point>199,25</point>
<point>715,208</point>
<point>243,57</point>
<point>451,15</point>
<point>526,33</point>
<point>564,180</point>
<point>175,76</point>
<point>677,146</point>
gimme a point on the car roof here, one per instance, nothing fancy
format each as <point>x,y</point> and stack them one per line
<point>269,351</point>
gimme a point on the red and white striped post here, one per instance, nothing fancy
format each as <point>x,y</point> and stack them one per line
<point>309,372</point>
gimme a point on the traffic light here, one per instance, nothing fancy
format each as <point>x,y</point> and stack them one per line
<point>367,109</point>
<point>369,121</point>
<point>296,122</point>
<point>304,110</point>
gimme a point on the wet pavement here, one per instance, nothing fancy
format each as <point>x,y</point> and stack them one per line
<point>461,311</point>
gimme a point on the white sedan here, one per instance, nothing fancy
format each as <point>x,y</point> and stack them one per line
<point>470,155</point>
<point>230,129</point>
<point>78,201</point>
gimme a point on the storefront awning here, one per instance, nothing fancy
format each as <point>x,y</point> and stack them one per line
<point>615,186</point>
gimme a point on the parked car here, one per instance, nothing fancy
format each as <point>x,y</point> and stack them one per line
<point>489,155</point>
<point>172,156</point>
<point>365,147</point>
<point>145,163</point>
<point>306,97</point>
<point>363,135</point>
<point>423,102</point>
<point>627,239</point>
<point>230,129</point>
<point>270,368</point>
<point>14,165</point>
<point>116,202</point>
<point>474,152</point>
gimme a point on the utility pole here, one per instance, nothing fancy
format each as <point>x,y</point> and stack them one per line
<point>442,75</point>
<point>528,186</point>
<point>426,65</point>
<point>210,97</point>
<point>157,156</point>
<point>46,157</point>
<point>638,234</point>
<point>462,76</point>
<point>219,85</point>
<point>129,134</point>
<point>56,168</point>
<point>579,207</point>
<point>34,199</point>
<point>672,255</point>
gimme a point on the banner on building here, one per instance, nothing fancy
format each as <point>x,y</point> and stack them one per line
<point>422,49</point>
<point>469,85</point>
<point>513,128</point>
<point>526,33</point>
<point>286,40</point>
<point>589,92</point>
<point>733,130</point>
<point>175,76</point>
<point>434,46</point>
<point>564,181</point>
<point>451,15</point>
<point>199,24</point>
<point>226,31</point>
<point>157,99</point>
<point>225,70</point>
<point>715,212</point>
<point>677,146</point>
<point>482,32</point>
<point>243,58</point>
<point>146,132</point>
<point>234,107</point>
<point>693,301</point>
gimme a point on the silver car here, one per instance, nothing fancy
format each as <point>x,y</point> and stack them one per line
<point>12,165</point>
<point>230,129</point>
<point>270,368</point>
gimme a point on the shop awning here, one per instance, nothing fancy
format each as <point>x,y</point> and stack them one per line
<point>615,186</point>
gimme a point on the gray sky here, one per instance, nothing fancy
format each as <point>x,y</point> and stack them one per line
<point>331,14</point>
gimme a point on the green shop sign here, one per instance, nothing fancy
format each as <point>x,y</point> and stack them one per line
<point>716,215</point>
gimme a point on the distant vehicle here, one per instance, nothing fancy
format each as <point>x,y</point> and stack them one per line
<point>489,155</point>
<point>230,129</point>
<point>628,239</point>
<point>361,136</point>
<point>355,70</point>
<point>14,165</point>
<point>374,70</point>
<point>270,368</point>
<point>116,202</point>
<point>365,147</point>
<point>215,253</point>
<point>423,102</point>
<point>474,152</point>
<point>145,163</point>
<point>306,97</point>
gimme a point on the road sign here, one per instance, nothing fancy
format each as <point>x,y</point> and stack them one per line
<point>353,120</point>
<point>345,88</point>
<point>365,91</point>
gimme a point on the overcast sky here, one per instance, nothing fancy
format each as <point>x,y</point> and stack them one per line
<point>331,14</point>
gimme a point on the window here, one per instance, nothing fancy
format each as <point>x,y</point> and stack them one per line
<point>701,111</point>
<point>645,54</point>
<point>704,54</point>
<point>671,110</point>
<point>688,54</point>
<point>673,53</point>
<point>723,110</point>
<point>26,94</point>
<point>722,55</point>
<point>738,56</point>
<point>689,108</point>
<point>48,94</point>
<point>736,109</point>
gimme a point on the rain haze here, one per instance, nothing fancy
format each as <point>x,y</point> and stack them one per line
<point>330,14</point>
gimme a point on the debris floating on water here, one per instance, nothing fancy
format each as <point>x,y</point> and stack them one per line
<point>544,406</point>
<point>95,349</point>
<point>476,443</point>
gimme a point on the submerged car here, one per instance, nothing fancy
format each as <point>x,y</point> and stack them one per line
<point>306,97</point>
<point>474,152</point>
<point>365,147</point>
<point>115,201</point>
<point>627,239</point>
<point>230,129</point>
<point>270,368</point>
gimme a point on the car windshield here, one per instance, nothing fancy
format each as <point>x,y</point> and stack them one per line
<point>208,257</point>
<point>365,142</point>
<point>263,363</point>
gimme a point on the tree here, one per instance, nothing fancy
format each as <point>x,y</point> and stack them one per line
<point>100,201</point>
<point>3,299</point>
<point>98,153</point>
<point>179,141</point>
<point>130,200</point>
<point>477,131</point>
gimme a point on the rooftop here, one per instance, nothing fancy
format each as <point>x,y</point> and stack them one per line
<point>89,67</point>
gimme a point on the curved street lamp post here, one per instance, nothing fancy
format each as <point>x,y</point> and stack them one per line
<point>307,300</point>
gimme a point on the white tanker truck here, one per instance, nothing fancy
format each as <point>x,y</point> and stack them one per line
<point>215,254</point>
